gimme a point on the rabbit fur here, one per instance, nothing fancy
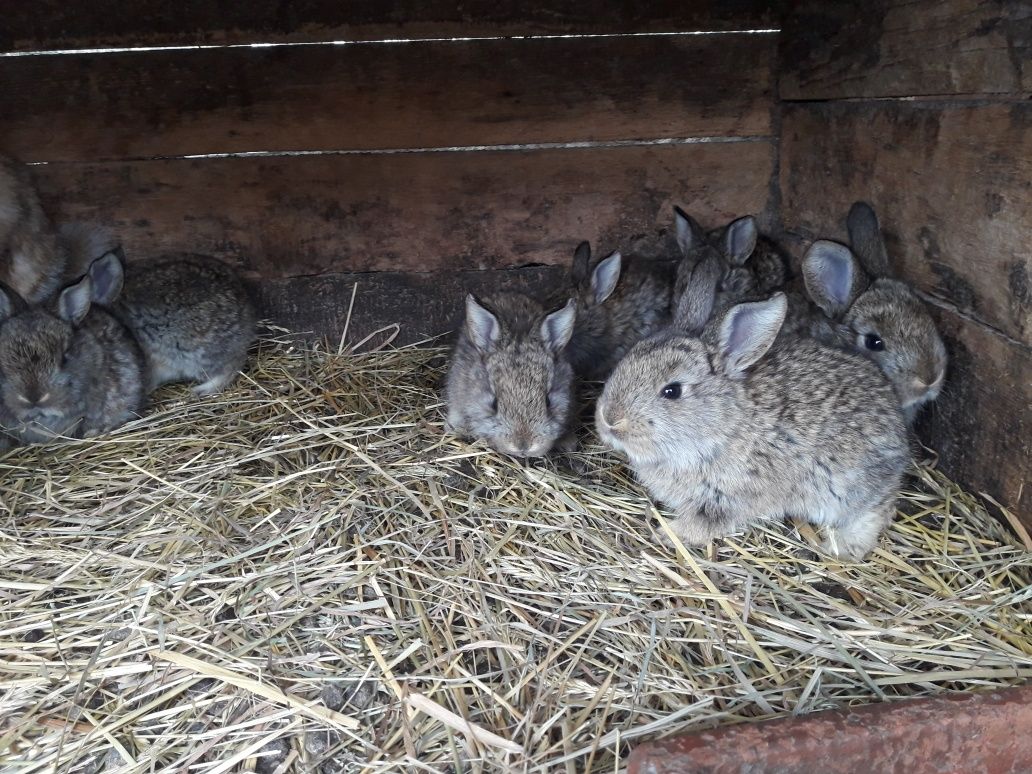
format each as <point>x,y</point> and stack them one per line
<point>510,382</point>
<point>736,431</point>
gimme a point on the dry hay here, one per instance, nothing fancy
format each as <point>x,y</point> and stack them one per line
<point>304,575</point>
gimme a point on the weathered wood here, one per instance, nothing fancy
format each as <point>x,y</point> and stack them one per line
<point>423,305</point>
<point>50,24</point>
<point>901,48</point>
<point>286,216</point>
<point>981,425</point>
<point>951,184</point>
<point>171,103</point>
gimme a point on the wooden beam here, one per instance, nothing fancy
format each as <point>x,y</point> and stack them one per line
<point>50,24</point>
<point>905,48</point>
<point>422,95</point>
<point>289,216</point>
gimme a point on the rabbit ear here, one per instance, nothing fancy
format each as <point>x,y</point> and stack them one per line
<point>740,240</point>
<point>748,331</point>
<point>689,233</point>
<point>558,326</point>
<point>695,305</point>
<point>107,275</point>
<point>865,236</point>
<point>481,325</point>
<point>833,277</point>
<point>10,302</point>
<point>605,276</point>
<point>74,301</point>
<point>581,258</point>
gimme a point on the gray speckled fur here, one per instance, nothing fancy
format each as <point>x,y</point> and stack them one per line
<point>31,261</point>
<point>519,371</point>
<point>84,378</point>
<point>756,275</point>
<point>638,307</point>
<point>193,318</point>
<point>809,431</point>
<point>914,358</point>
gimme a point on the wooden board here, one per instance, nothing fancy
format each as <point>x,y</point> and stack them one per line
<point>174,103</point>
<point>981,426</point>
<point>902,48</point>
<point>50,24</point>
<point>423,305</point>
<point>289,216</point>
<point>951,183</point>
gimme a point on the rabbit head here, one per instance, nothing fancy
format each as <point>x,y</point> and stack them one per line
<point>510,383</point>
<point>673,398</point>
<point>879,317</point>
<point>41,366</point>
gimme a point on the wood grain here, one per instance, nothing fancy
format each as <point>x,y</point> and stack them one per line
<point>50,24</point>
<point>288,216</point>
<point>175,103</point>
<point>981,425</point>
<point>902,48</point>
<point>951,184</point>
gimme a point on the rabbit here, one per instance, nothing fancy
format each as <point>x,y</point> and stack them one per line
<point>753,266</point>
<point>510,382</point>
<point>735,431</point>
<point>856,305</point>
<point>32,262</point>
<point>68,369</point>
<point>191,314</point>
<point>619,302</point>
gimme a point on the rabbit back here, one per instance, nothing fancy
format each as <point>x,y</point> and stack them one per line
<point>193,318</point>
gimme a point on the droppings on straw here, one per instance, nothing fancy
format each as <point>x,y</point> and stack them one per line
<point>304,574</point>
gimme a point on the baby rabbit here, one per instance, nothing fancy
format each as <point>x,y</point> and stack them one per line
<point>191,314</point>
<point>734,432</point>
<point>71,371</point>
<point>620,302</point>
<point>860,308</point>
<point>31,261</point>
<point>510,382</point>
<point>752,266</point>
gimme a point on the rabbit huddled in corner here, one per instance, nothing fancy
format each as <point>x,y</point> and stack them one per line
<point>751,265</point>
<point>619,302</point>
<point>858,306</point>
<point>191,314</point>
<point>68,369</point>
<point>731,431</point>
<point>510,382</point>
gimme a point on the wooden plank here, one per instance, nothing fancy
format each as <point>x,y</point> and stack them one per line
<point>981,425</point>
<point>951,184</point>
<point>50,24</point>
<point>174,103</point>
<point>901,48</point>
<point>423,305</point>
<point>289,216</point>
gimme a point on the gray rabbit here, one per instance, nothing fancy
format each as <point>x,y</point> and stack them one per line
<point>619,302</point>
<point>858,306</point>
<point>191,314</point>
<point>730,431</point>
<point>510,382</point>
<point>68,369</point>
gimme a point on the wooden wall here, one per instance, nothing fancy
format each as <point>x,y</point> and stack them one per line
<point>922,107</point>
<point>405,164</point>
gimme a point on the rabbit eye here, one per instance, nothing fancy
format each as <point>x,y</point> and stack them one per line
<point>672,391</point>
<point>874,342</point>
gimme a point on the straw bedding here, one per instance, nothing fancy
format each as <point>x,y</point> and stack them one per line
<point>303,574</point>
